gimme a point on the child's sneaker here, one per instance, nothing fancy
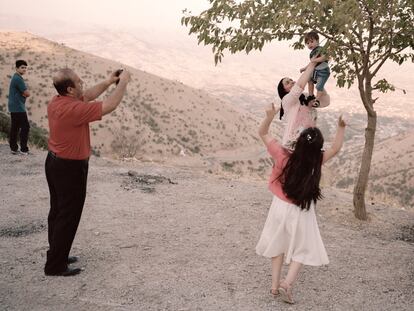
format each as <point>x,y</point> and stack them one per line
<point>14,152</point>
<point>308,100</point>
<point>316,103</point>
<point>310,97</point>
<point>24,152</point>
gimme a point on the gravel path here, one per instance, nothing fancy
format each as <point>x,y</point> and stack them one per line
<point>186,242</point>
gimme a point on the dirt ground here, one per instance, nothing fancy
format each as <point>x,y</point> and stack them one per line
<point>186,241</point>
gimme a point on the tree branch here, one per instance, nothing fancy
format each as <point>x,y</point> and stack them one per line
<point>358,35</point>
<point>386,56</point>
<point>340,43</point>
<point>357,69</point>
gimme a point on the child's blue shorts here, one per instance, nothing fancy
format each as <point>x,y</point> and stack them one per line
<point>321,76</point>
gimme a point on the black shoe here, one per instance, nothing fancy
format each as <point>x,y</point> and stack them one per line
<point>307,100</point>
<point>72,259</point>
<point>67,272</point>
<point>310,97</point>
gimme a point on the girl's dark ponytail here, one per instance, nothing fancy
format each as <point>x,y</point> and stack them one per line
<point>301,175</point>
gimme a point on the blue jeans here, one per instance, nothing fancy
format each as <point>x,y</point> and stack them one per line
<point>321,76</point>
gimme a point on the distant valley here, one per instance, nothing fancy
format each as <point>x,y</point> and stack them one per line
<point>164,118</point>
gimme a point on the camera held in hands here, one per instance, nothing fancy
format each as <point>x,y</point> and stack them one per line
<point>117,74</point>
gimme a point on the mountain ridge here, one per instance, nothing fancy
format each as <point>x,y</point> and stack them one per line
<point>158,117</point>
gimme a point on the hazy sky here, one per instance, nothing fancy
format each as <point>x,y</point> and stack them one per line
<point>156,14</point>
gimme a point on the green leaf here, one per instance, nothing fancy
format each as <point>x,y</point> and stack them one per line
<point>238,26</point>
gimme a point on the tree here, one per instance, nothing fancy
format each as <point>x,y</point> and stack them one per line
<point>361,36</point>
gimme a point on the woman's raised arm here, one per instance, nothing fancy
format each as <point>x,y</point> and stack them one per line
<point>264,126</point>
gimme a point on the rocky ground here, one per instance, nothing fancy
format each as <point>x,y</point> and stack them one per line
<point>159,237</point>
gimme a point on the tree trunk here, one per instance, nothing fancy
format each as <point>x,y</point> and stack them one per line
<point>362,181</point>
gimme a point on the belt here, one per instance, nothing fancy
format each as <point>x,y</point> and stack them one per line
<point>53,155</point>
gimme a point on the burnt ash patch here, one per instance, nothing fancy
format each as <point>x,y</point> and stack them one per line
<point>144,182</point>
<point>23,230</point>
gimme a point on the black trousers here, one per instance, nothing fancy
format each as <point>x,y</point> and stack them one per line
<point>19,122</point>
<point>67,181</point>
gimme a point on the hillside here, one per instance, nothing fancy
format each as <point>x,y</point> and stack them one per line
<point>392,170</point>
<point>158,118</point>
<point>249,82</point>
<point>165,120</point>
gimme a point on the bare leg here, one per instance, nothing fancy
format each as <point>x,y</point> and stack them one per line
<point>285,287</point>
<point>311,87</point>
<point>319,94</point>
<point>276,271</point>
<point>293,272</point>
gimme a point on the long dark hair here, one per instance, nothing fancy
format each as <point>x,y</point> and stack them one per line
<point>282,92</point>
<point>302,173</point>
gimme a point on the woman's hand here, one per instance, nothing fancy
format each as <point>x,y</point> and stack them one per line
<point>264,126</point>
<point>271,111</point>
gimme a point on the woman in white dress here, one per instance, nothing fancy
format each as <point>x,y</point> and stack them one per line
<point>291,232</point>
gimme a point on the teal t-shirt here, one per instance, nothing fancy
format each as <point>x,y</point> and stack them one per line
<point>16,100</point>
<point>317,52</point>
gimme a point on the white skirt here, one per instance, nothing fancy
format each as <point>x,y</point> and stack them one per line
<point>293,232</point>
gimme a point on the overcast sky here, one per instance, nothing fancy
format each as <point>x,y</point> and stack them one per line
<point>153,14</point>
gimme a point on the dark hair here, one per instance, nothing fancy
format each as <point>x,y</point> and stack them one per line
<point>20,62</point>
<point>282,92</point>
<point>281,89</point>
<point>302,173</point>
<point>313,35</point>
<point>62,85</point>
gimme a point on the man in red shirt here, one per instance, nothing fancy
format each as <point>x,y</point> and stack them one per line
<point>69,115</point>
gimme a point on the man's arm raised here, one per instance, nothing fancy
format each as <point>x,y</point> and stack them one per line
<point>96,90</point>
<point>115,98</point>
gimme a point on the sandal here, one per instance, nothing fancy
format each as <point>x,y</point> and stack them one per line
<point>274,292</point>
<point>285,292</point>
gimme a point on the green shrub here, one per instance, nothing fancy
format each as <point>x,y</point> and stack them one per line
<point>228,166</point>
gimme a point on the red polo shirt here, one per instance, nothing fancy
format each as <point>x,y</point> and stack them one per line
<point>69,119</point>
